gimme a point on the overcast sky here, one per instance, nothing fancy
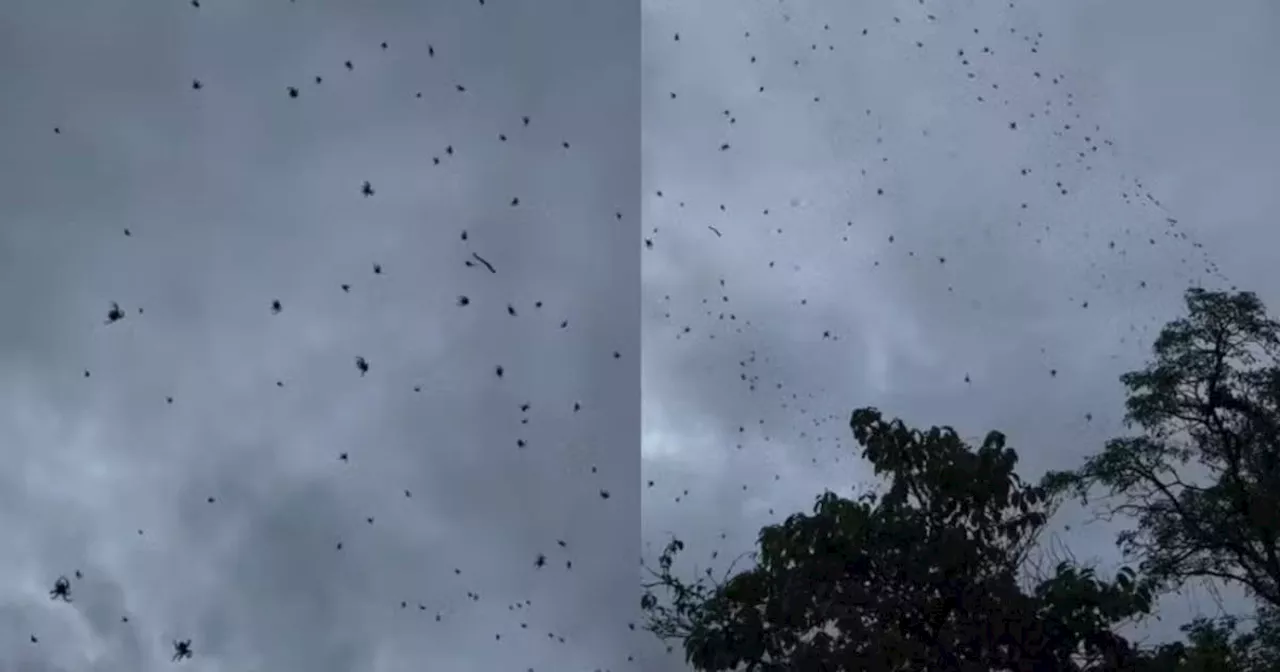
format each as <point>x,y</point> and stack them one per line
<point>236,194</point>
<point>1172,94</point>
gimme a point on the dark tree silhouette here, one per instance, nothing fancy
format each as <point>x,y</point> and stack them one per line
<point>1218,645</point>
<point>1202,479</point>
<point>925,577</point>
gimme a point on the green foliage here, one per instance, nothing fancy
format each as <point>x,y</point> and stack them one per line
<point>923,578</point>
<point>1208,403</point>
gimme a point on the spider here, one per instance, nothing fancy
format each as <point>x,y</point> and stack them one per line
<point>181,649</point>
<point>61,590</point>
<point>115,314</point>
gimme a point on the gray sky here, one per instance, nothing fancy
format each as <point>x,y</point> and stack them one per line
<point>236,195</point>
<point>1172,94</point>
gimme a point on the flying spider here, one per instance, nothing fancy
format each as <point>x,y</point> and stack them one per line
<point>115,314</point>
<point>61,590</point>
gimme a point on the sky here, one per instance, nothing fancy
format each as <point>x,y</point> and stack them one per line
<point>704,285</point>
<point>868,236</point>
<point>217,517</point>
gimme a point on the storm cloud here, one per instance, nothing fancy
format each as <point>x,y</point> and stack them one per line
<point>197,164</point>
<point>974,214</point>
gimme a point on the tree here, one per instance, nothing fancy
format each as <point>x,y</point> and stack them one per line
<point>923,578</point>
<point>1217,645</point>
<point>1208,403</point>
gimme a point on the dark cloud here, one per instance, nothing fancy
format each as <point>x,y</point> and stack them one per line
<point>876,249</point>
<point>236,195</point>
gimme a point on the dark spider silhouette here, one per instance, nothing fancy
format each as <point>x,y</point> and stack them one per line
<point>61,590</point>
<point>115,314</point>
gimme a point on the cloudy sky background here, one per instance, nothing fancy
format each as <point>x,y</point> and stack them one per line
<point>1177,89</point>
<point>235,195</point>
